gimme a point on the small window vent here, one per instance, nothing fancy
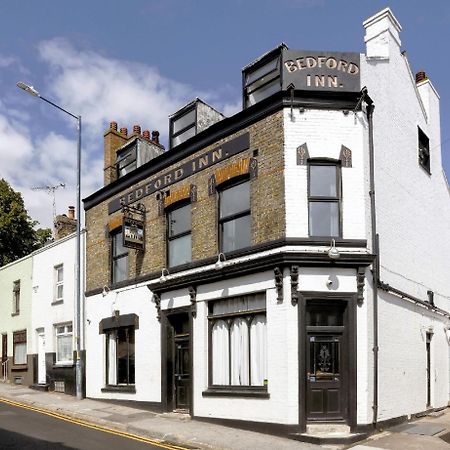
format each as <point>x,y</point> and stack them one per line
<point>60,386</point>
<point>18,380</point>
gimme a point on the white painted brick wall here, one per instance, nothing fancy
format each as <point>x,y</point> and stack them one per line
<point>147,344</point>
<point>324,132</point>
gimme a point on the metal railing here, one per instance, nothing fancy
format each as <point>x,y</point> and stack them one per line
<point>5,370</point>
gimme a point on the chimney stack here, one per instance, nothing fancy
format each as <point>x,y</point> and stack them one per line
<point>124,131</point>
<point>65,225</point>
<point>137,129</point>
<point>112,141</point>
<point>421,76</point>
<point>146,135</point>
<point>155,137</point>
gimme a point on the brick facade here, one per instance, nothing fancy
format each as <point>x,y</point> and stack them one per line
<point>267,205</point>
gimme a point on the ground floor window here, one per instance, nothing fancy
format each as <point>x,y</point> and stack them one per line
<point>120,356</point>
<point>64,343</point>
<point>238,340</point>
<point>20,347</point>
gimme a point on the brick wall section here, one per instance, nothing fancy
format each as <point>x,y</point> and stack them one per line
<point>267,203</point>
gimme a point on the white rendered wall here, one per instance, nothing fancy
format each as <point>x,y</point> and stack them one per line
<point>132,300</point>
<point>46,315</point>
<point>413,216</point>
<point>324,132</point>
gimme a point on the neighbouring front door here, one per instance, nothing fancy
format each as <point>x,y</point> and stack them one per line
<point>4,354</point>
<point>178,362</point>
<point>42,375</point>
<point>182,375</point>
<point>326,362</point>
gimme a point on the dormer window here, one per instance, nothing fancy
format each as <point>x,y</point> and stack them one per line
<point>183,128</point>
<point>126,161</point>
<point>262,82</point>
<point>190,120</point>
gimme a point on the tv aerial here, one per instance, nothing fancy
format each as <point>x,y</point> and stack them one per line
<point>51,191</point>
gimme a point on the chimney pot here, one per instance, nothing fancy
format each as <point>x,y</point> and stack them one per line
<point>421,76</point>
<point>137,129</point>
<point>71,212</point>
<point>113,126</point>
<point>155,136</point>
<point>146,135</point>
<point>124,131</point>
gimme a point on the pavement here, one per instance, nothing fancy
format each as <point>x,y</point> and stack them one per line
<point>178,429</point>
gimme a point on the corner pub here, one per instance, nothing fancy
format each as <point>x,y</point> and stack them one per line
<point>264,286</point>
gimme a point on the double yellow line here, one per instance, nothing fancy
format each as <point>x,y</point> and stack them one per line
<point>93,426</point>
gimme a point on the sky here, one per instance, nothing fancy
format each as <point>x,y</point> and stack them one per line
<point>137,62</point>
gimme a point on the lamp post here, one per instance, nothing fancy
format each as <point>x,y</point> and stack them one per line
<point>78,372</point>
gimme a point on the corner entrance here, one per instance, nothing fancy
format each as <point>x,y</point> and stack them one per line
<point>178,361</point>
<point>327,359</point>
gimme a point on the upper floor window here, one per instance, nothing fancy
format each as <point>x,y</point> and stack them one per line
<point>238,339</point>
<point>183,127</point>
<point>64,343</point>
<point>59,283</point>
<point>16,297</point>
<point>179,235</point>
<point>20,347</point>
<point>324,199</point>
<point>234,217</point>
<point>424,150</point>
<point>119,263</point>
<point>262,82</point>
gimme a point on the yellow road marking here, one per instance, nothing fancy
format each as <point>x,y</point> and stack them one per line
<point>86,424</point>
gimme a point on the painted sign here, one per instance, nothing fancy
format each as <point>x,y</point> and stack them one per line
<point>133,233</point>
<point>321,71</point>
<point>165,179</point>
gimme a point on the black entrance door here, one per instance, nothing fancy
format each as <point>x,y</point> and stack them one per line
<point>327,358</point>
<point>182,377</point>
<point>4,353</point>
<point>324,384</point>
<point>178,361</point>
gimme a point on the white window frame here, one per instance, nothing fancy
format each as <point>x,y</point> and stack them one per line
<point>67,330</point>
<point>58,283</point>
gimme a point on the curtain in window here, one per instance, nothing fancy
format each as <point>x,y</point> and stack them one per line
<point>112,368</point>
<point>64,348</point>
<point>20,353</point>
<point>239,353</point>
<point>220,353</point>
<point>258,339</point>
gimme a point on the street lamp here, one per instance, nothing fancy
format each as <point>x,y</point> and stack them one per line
<point>78,372</point>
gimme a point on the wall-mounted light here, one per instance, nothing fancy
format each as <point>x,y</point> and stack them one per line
<point>220,260</point>
<point>333,252</point>
<point>164,273</point>
<point>105,291</point>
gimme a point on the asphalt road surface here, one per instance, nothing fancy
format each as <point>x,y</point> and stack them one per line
<point>30,430</point>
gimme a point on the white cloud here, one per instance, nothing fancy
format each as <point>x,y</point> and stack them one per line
<point>101,89</point>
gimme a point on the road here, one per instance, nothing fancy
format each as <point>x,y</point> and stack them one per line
<point>26,429</point>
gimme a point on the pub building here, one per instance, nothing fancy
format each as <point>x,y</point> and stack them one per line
<point>248,275</point>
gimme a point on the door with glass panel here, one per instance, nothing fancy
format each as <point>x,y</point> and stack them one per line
<point>326,361</point>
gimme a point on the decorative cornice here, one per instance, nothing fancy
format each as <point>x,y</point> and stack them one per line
<point>294,285</point>
<point>193,298</point>
<point>279,283</point>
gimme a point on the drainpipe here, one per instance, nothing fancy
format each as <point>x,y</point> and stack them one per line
<point>376,252</point>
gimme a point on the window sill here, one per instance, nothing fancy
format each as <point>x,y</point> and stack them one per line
<point>63,364</point>
<point>236,391</point>
<point>18,367</point>
<point>130,389</point>
<point>58,302</point>
<point>15,314</point>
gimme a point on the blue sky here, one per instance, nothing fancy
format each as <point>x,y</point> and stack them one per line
<point>138,61</point>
